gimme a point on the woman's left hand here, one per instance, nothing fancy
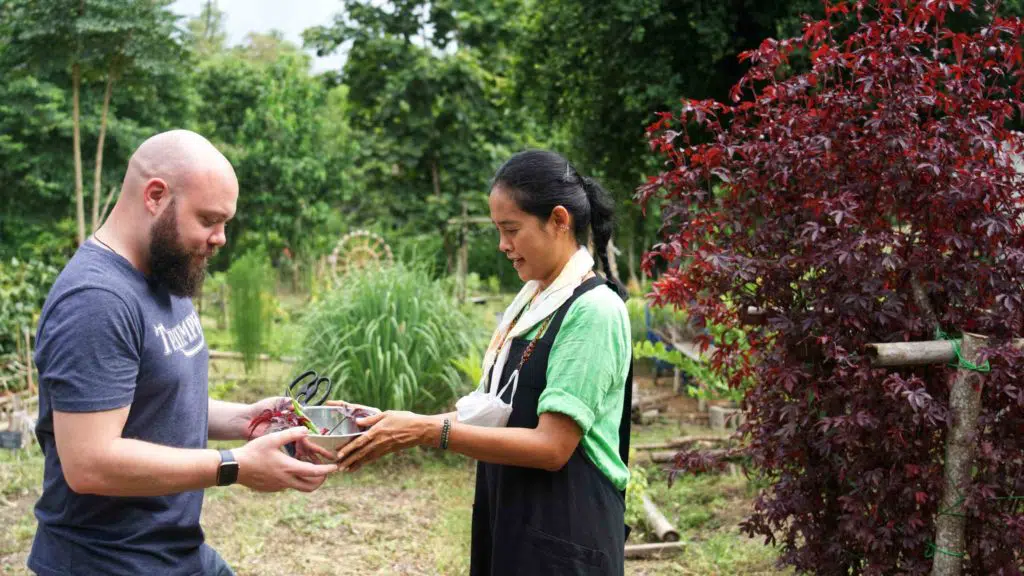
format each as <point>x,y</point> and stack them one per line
<point>391,431</point>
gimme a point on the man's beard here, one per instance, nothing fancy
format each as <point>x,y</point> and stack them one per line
<point>170,263</point>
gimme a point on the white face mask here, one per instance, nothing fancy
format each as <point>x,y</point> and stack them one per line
<point>480,408</point>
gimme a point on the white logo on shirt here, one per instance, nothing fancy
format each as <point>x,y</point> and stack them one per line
<point>186,337</point>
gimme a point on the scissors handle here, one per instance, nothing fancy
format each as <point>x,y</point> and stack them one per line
<point>314,392</point>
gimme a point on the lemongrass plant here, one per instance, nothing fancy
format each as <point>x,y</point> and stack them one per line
<point>388,337</point>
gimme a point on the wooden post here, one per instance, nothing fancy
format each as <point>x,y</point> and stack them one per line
<point>965,403</point>
<point>462,258</point>
<point>28,361</point>
<point>19,354</point>
<point>222,308</point>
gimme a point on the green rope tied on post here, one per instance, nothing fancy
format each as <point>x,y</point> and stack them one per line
<point>932,547</point>
<point>960,362</point>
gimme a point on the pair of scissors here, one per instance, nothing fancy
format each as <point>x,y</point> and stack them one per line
<point>310,389</point>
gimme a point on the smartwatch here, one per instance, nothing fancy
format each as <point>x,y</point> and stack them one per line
<point>227,473</point>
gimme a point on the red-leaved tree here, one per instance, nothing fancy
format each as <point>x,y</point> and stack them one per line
<point>821,199</point>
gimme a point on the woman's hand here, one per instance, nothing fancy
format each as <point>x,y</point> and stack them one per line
<point>390,431</point>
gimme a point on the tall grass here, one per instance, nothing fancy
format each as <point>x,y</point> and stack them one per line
<point>389,338</point>
<point>250,305</point>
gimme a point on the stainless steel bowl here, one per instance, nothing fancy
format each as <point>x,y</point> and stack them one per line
<point>344,430</point>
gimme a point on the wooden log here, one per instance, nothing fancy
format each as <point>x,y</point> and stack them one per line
<point>668,456</point>
<point>916,353</point>
<point>657,522</point>
<point>648,416</point>
<point>649,402</point>
<point>681,441</point>
<point>19,398</point>
<point>28,361</point>
<point>965,403</point>
<point>224,355</point>
<point>644,551</point>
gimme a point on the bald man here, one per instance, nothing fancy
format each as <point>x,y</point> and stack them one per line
<point>124,411</point>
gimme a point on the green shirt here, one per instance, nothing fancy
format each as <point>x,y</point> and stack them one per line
<point>586,375</point>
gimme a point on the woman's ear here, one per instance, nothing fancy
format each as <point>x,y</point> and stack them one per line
<point>561,219</point>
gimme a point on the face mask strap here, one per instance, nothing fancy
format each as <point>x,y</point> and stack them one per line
<point>513,381</point>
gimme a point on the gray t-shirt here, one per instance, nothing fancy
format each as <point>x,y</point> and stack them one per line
<point>109,338</point>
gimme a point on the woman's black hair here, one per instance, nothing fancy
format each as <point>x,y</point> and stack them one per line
<point>539,180</point>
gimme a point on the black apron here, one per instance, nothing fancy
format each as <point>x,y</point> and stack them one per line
<point>531,522</point>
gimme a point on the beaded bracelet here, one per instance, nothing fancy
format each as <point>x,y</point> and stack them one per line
<point>445,429</point>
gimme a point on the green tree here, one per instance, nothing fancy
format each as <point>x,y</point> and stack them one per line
<point>285,132</point>
<point>89,41</point>
<point>429,104</point>
<point>206,32</point>
<point>600,71</point>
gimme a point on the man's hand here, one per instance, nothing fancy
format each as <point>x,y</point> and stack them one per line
<point>255,409</point>
<point>264,467</point>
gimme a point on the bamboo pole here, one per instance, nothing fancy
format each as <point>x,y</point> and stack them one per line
<point>643,551</point>
<point>668,456</point>
<point>916,353</point>
<point>664,529</point>
<point>28,361</point>
<point>681,442</point>
<point>965,403</point>
<point>221,355</point>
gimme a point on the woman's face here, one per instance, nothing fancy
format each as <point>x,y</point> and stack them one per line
<point>537,248</point>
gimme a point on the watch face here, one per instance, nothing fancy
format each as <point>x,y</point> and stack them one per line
<point>228,473</point>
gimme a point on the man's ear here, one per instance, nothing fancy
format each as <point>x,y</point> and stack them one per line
<point>156,195</point>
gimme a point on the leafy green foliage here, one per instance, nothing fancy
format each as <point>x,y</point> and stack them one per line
<point>23,288</point>
<point>388,338</point>
<point>433,114</point>
<point>250,304</point>
<point>286,134</point>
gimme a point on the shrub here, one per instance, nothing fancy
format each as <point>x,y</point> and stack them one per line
<point>389,338</point>
<point>251,305</point>
<point>880,168</point>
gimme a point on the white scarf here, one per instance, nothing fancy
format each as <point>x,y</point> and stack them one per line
<point>547,302</point>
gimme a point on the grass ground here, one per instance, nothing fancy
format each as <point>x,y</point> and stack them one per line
<point>408,515</point>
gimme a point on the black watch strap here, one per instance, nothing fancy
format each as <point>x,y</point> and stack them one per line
<point>227,472</point>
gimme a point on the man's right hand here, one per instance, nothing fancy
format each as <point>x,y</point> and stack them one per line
<point>264,467</point>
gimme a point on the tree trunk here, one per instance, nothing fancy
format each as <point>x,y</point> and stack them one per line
<point>964,403</point>
<point>435,176</point>
<point>76,79</point>
<point>106,206</point>
<point>98,177</point>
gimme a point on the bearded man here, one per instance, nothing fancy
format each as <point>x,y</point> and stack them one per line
<point>124,409</point>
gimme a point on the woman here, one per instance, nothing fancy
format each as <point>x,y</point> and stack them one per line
<point>550,422</point>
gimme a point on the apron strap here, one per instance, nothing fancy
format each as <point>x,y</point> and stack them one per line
<point>625,423</point>
<point>556,320</point>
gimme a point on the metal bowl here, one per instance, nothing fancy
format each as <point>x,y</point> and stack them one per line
<point>344,430</point>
